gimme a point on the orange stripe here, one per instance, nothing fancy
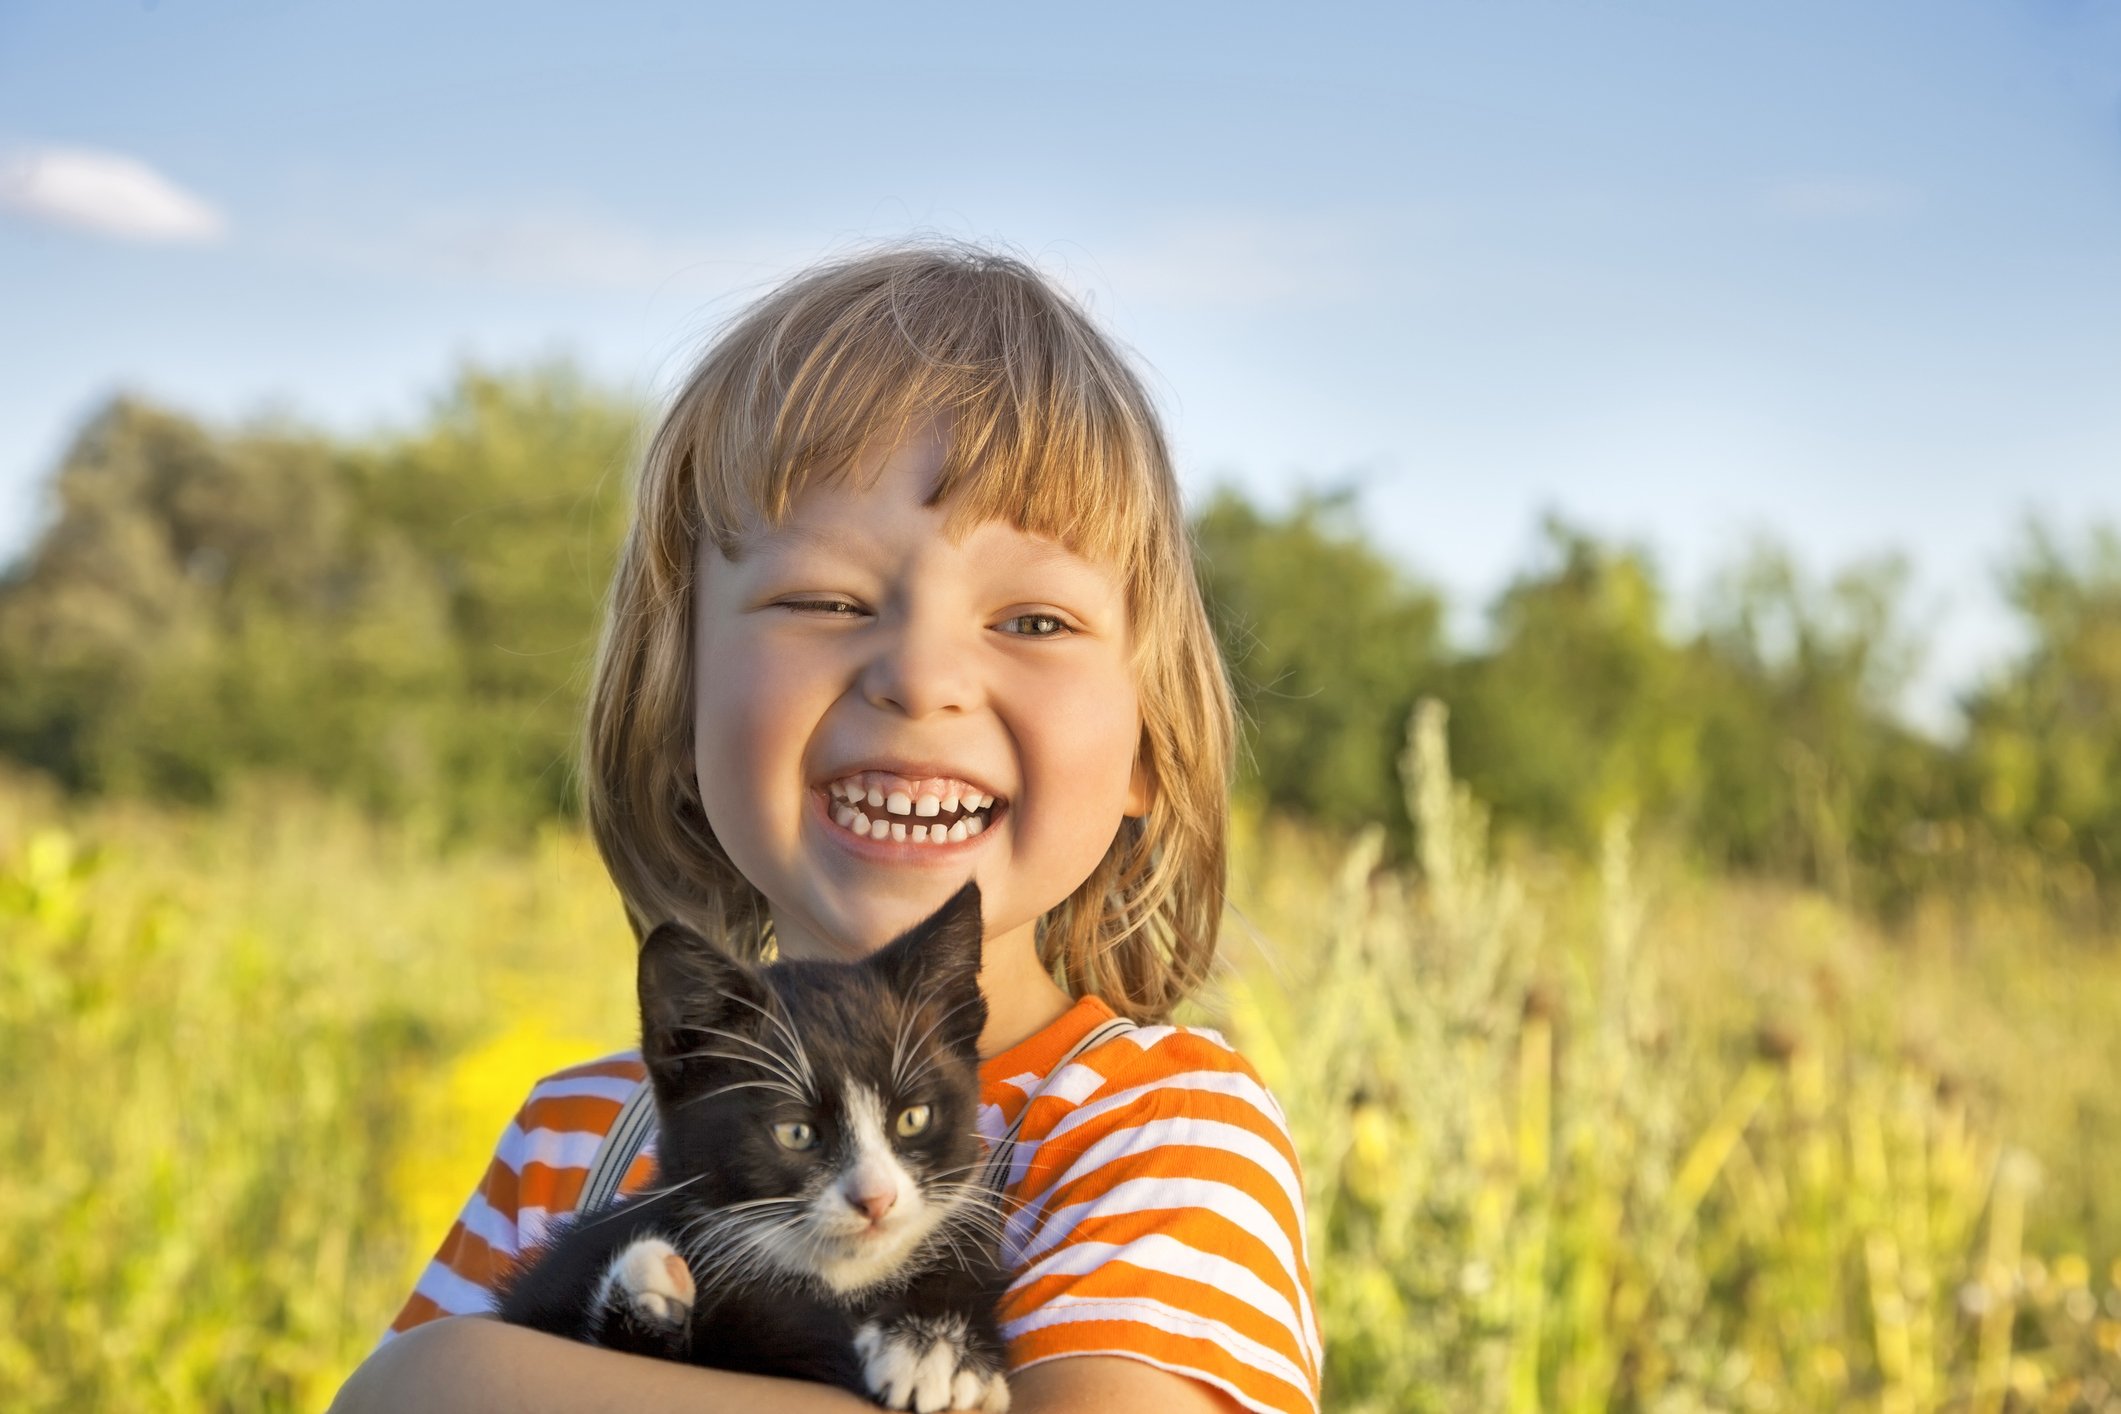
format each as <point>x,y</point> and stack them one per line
<point>616,1068</point>
<point>550,1188</point>
<point>1202,1356</point>
<point>1120,1279</point>
<point>1202,1229</point>
<point>570,1114</point>
<point>639,1174</point>
<point>419,1310</point>
<point>1178,1161</point>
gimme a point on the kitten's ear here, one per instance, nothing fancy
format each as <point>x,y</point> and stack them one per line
<point>938,960</point>
<point>688,985</point>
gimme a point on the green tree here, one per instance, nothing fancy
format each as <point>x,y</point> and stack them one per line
<point>1579,707</point>
<point>2043,752</point>
<point>405,621</point>
<point>1328,642</point>
<point>1807,769</point>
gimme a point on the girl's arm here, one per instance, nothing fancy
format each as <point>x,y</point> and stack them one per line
<point>474,1363</point>
<point>1112,1385</point>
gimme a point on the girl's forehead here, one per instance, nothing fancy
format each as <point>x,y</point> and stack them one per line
<point>893,498</point>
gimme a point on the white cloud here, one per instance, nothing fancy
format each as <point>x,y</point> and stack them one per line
<point>105,192</point>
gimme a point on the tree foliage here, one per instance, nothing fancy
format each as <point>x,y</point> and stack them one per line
<point>407,619</point>
<point>1327,643</point>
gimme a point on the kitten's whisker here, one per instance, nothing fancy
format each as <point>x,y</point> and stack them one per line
<point>898,1047</point>
<point>767,1058</point>
<point>778,1087</point>
<point>781,1024</point>
<point>942,1020</point>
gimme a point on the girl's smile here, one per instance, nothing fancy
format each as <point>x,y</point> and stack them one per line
<point>898,804</point>
<point>886,705</point>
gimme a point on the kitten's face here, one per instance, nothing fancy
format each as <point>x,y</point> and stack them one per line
<point>824,1112</point>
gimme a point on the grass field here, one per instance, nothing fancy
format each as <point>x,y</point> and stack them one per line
<point>1576,1138</point>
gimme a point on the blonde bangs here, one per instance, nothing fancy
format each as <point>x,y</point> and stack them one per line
<point>1049,430</point>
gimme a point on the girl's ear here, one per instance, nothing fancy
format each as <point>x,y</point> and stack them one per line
<point>688,989</point>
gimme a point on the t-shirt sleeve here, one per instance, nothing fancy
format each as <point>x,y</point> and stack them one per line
<point>1172,1231</point>
<point>482,1245</point>
<point>539,1166</point>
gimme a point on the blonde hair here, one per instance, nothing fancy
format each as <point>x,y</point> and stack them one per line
<point>1048,429</point>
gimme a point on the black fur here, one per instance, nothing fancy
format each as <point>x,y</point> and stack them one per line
<point>727,1045</point>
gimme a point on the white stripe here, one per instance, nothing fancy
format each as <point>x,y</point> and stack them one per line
<point>1159,1252</point>
<point>1066,1310</point>
<point>555,1148</point>
<point>1150,1193</point>
<point>1136,1143</point>
<point>1204,1133</point>
<point>1235,1084</point>
<point>492,1226</point>
<point>602,1087</point>
<point>1076,1082</point>
<point>452,1293</point>
<point>1138,1195</point>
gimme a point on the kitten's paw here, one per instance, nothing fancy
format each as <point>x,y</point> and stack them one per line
<point>929,1364</point>
<point>650,1282</point>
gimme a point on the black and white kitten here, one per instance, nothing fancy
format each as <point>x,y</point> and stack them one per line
<point>819,1210</point>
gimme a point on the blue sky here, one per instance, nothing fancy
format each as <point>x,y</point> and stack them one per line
<point>1685,272</point>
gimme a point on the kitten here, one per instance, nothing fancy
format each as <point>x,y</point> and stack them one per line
<point>820,1211</point>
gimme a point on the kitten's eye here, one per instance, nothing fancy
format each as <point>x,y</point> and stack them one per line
<point>912,1120</point>
<point>794,1134</point>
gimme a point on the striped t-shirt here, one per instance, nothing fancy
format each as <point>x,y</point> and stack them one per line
<point>1157,1208</point>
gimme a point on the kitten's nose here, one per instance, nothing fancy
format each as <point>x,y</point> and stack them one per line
<point>871,1203</point>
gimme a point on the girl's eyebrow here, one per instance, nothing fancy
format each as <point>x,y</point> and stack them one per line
<point>796,532</point>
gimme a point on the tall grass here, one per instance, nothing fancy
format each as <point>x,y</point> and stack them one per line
<point>1575,1140</point>
<point>1548,1172</point>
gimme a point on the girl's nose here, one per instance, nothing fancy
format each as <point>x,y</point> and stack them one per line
<point>920,669</point>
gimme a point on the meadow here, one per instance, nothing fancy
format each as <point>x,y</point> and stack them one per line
<point>1624,1135</point>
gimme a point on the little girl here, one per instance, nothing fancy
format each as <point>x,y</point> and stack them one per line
<point>907,545</point>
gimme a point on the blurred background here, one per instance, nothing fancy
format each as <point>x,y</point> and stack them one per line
<point>1657,469</point>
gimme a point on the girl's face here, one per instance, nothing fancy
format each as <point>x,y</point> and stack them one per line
<point>856,654</point>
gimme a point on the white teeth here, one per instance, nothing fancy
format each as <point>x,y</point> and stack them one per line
<point>899,803</point>
<point>974,825</point>
<point>876,798</point>
<point>927,805</point>
<point>898,832</point>
<point>974,800</point>
<point>920,834</point>
<point>958,831</point>
<point>950,800</point>
<point>843,815</point>
<point>859,824</point>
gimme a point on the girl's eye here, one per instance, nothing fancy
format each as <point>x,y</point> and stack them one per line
<point>794,1134</point>
<point>912,1120</point>
<point>823,608</point>
<point>1036,625</point>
